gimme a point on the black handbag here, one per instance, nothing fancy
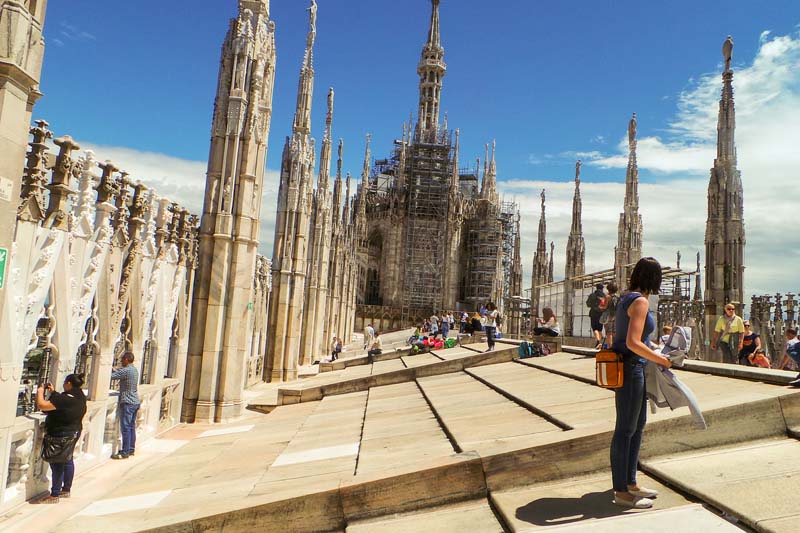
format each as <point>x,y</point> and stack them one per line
<point>58,449</point>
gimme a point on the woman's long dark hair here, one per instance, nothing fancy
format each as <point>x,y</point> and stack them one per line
<point>76,380</point>
<point>646,276</point>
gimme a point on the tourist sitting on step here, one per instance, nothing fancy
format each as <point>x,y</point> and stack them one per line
<point>377,347</point>
<point>476,326</point>
<point>791,354</point>
<point>548,325</point>
<point>336,349</point>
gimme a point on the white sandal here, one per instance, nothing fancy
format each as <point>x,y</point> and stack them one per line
<point>644,493</point>
<point>636,503</point>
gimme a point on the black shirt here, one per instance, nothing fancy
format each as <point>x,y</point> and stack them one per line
<point>68,416</point>
<point>748,345</point>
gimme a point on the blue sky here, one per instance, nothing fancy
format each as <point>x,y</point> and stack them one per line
<point>549,80</point>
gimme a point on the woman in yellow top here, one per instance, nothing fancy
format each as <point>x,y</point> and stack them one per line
<point>729,335</point>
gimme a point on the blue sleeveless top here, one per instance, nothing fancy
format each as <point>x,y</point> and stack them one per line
<point>622,323</point>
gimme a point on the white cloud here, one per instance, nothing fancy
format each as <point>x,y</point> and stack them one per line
<point>767,94</point>
<point>183,181</point>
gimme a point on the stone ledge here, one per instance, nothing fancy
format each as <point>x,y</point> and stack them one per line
<point>764,375</point>
<point>341,364</point>
<point>302,393</point>
<point>451,480</point>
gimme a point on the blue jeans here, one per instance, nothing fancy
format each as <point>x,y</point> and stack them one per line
<point>127,426</point>
<point>631,406</point>
<point>62,473</point>
<point>490,336</point>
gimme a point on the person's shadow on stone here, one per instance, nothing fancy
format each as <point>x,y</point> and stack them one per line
<point>558,511</point>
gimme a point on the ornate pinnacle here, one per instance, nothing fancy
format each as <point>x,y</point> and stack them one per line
<point>35,174</point>
<point>59,187</point>
<point>108,188</point>
<point>120,221</point>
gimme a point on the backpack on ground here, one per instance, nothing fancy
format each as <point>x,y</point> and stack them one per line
<point>526,350</point>
<point>545,349</point>
<point>523,350</point>
<point>449,343</point>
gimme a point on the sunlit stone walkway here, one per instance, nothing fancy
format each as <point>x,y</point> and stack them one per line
<point>451,441</point>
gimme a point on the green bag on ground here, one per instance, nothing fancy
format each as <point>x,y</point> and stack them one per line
<point>449,343</point>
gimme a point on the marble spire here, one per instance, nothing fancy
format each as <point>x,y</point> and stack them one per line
<point>629,231</point>
<point>292,226</point>
<point>576,246</point>
<point>725,231</point>
<point>431,70</point>
<point>539,275</point>
<point>229,228</point>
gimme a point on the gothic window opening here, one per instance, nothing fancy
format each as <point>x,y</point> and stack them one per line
<point>372,292</point>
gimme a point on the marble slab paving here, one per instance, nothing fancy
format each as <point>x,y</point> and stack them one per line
<point>689,518</point>
<point>757,482</point>
<point>581,503</point>
<point>454,397</point>
<point>399,429</point>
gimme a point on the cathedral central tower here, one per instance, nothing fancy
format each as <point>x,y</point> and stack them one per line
<point>431,70</point>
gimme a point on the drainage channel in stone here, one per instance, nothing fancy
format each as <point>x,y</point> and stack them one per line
<point>361,434</point>
<point>525,405</point>
<point>557,372</point>
<point>438,418</point>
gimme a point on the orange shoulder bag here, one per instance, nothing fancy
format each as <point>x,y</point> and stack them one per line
<point>609,366</point>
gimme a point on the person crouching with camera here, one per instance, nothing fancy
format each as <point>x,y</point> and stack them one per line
<point>63,425</point>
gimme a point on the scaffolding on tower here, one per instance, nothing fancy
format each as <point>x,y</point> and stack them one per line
<point>428,169</point>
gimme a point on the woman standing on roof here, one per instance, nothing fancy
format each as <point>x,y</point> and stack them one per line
<point>491,324</point>
<point>635,324</point>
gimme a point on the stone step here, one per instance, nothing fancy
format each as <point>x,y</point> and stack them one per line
<point>420,360</point>
<point>478,418</point>
<point>327,443</point>
<point>585,504</point>
<point>361,378</point>
<point>566,402</point>
<point>756,482</point>
<point>474,516</point>
<point>399,430</point>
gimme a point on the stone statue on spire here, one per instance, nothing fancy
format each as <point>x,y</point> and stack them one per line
<point>578,165</point>
<point>543,197</point>
<point>312,34</point>
<point>632,127</point>
<point>727,52</point>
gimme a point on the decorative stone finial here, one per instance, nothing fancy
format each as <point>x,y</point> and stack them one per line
<point>727,52</point>
<point>632,127</point>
